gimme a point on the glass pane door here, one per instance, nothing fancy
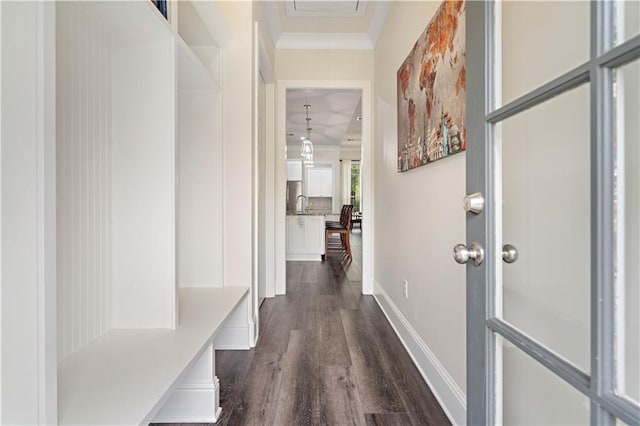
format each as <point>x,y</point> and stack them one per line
<point>553,112</point>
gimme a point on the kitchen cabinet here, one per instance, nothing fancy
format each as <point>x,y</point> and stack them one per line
<point>294,170</point>
<point>320,182</point>
<point>305,237</point>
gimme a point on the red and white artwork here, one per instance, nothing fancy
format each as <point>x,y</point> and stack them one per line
<point>431,91</point>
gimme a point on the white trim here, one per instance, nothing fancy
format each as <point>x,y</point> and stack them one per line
<point>304,257</point>
<point>254,330</point>
<point>379,17</point>
<point>290,11</point>
<point>334,41</point>
<point>451,398</point>
<point>324,41</point>
<point>1,245</point>
<point>255,255</point>
<point>270,209</point>
<point>270,9</point>
<point>46,170</point>
<point>366,173</point>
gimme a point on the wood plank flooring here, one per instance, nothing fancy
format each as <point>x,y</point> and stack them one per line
<point>326,356</point>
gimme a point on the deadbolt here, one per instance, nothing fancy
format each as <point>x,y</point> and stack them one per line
<point>462,254</point>
<point>509,253</point>
<point>473,203</point>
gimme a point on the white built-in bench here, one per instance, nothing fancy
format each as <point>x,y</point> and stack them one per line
<point>139,376</point>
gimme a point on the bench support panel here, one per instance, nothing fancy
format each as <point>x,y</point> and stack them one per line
<point>197,398</point>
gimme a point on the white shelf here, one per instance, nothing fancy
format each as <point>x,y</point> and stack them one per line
<point>136,17</point>
<point>125,376</point>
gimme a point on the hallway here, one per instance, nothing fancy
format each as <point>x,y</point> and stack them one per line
<point>326,355</point>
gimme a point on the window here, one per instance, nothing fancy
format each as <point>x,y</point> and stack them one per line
<point>355,186</point>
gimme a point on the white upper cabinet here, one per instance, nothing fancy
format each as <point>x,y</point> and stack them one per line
<point>294,170</point>
<point>320,182</point>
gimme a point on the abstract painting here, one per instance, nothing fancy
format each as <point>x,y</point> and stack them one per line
<point>431,91</point>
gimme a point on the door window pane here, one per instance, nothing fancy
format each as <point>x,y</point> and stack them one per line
<point>533,395</point>
<point>627,107</point>
<point>627,20</point>
<point>539,41</point>
<point>546,215</point>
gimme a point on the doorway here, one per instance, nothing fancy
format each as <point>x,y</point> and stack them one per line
<point>364,156</point>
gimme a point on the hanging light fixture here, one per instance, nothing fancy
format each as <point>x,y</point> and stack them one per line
<point>307,147</point>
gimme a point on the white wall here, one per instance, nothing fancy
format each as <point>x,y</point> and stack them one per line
<point>143,182</point>
<point>324,64</point>
<point>419,218</point>
<point>237,125</point>
<point>199,230</point>
<point>83,178</point>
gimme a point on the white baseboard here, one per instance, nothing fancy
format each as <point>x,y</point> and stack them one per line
<point>253,332</point>
<point>446,390</point>
<point>195,405</point>
<point>304,257</point>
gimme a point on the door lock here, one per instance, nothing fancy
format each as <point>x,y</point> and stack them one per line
<point>509,253</point>
<point>473,203</point>
<point>475,252</point>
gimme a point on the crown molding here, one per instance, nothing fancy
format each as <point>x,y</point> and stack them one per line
<point>379,17</point>
<point>270,9</point>
<point>325,41</point>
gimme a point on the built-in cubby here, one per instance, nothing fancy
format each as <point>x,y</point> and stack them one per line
<point>139,214</point>
<point>199,186</point>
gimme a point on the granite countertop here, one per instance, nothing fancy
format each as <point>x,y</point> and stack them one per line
<point>305,214</point>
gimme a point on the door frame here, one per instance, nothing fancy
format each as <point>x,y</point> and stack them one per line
<point>262,69</point>
<point>366,173</point>
<point>482,322</point>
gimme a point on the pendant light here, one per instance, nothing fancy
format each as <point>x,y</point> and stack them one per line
<point>307,147</point>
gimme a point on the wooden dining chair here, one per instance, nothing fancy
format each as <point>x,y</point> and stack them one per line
<point>340,221</point>
<point>343,230</point>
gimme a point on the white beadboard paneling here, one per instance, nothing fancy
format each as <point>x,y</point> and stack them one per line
<point>83,178</point>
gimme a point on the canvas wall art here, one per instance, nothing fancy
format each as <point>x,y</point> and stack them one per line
<point>431,91</point>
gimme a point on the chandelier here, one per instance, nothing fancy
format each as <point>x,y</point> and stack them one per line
<point>307,147</point>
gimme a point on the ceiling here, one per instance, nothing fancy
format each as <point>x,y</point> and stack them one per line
<point>333,114</point>
<point>329,24</point>
<point>325,24</point>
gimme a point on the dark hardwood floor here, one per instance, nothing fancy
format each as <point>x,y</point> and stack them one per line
<point>326,355</point>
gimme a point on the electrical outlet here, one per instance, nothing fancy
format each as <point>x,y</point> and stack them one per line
<point>405,288</point>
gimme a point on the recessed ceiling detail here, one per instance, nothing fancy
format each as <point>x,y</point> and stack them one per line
<point>304,24</point>
<point>332,112</point>
<point>315,8</point>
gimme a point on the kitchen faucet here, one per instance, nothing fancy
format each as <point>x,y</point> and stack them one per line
<point>304,210</point>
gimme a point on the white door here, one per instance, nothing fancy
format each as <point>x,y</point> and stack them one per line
<point>552,255</point>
